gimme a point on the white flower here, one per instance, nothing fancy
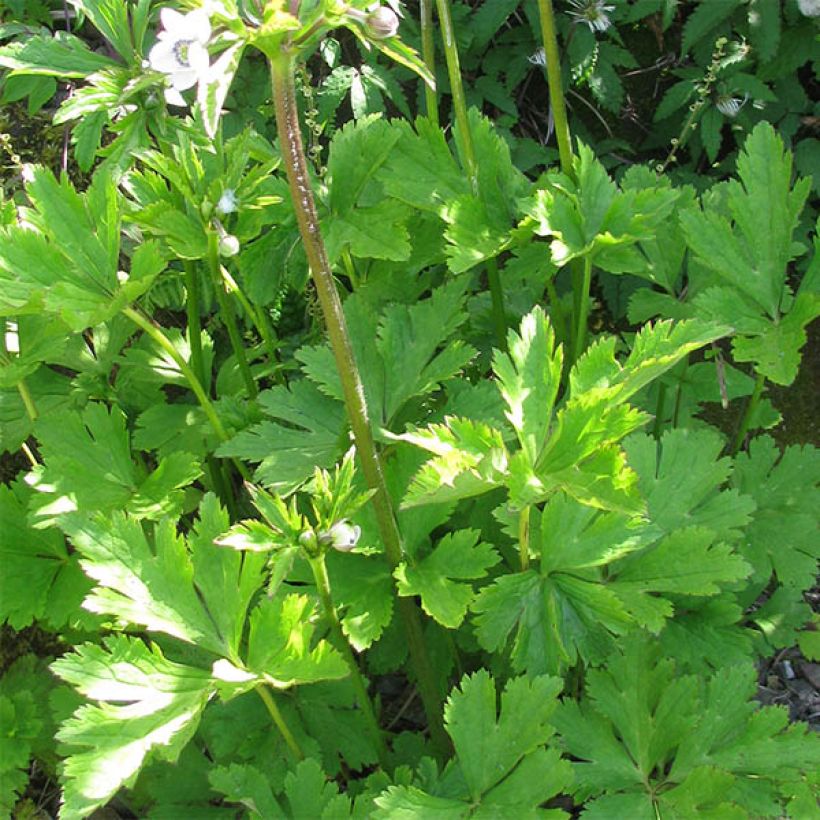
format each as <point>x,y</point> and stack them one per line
<point>344,536</point>
<point>592,12</point>
<point>730,106</point>
<point>227,202</point>
<point>539,58</point>
<point>181,51</point>
<point>809,8</point>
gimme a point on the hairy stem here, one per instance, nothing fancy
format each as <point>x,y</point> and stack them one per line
<point>746,420</point>
<point>293,155</point>
<point>228,316</point>
<point>319,568</point>
<point>278,720</point>
<point>556,88</point>
<point>428,53</point>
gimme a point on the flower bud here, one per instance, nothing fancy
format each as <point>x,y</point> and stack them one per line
<point>382,23</point>
<point>228,245</point>
<point>344,536</point>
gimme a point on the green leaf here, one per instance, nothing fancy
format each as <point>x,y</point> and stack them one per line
<point>307,432</point>
<point>470,459</point>
<point>458,557</point>
<point>528,379</point>
<point>280,648</point>
<point>411,356</point>
<point>501,767</point>
<point>591,216</point>
<point>311,794</point>
<point>645,733</point>
<point>22,720</point>
<point>245,784</point>
<point>148,707</point>
<point>61,55</point>
<point>110,18</point>
<point>781,536</point>
<point>41,580</point>
<point>753,252</point>
<point>681,480</point>
<point>703,19</point>
<point>687,562</point>
<point>88,466</point>
<point>420,170</point>
<point>363,219</point>
<point>488,745</point>
<point>775,351</point>
<point>70,263</point>
<point>363,590</point>
<point>197,592</point>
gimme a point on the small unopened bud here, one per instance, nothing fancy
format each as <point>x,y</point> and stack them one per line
<point>382,23</point>
<point>307,539</point>
<point>228,245</point>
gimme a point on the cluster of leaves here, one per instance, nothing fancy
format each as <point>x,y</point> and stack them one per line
<point>595,592</point>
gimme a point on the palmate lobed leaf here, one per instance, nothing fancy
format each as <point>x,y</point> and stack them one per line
<point>600,575</point>
<point>682,480</point>
<point>652,742</point>
<point>501,765</point>
<point>782,536</point>
<point>753,253</point>
<point>66,259</point>
<point>148,706</point>
<point>457,557</point>
<point>280,644</point>
<point>188,588</point>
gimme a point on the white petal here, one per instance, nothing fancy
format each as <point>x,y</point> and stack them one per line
<point>183,79</point>
<point>173,22</point>
<point>173,97</point>
<point>198,26</point>
<point>162,57</point>
<point>198,59</point>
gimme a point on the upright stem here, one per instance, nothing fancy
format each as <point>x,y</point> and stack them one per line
<point>228,316</point>
<point>751,406</point>
<point>428,53</point>
<point>557,313</point>
<point>465,141</point>
<point>524,538</point>
<point>194,319</point>
<point>556,88</point>
<point>293,154</point>
<point>468,157</point>
<point>581,286</point>
<point>323,586</point>
<point>497,297</point>
<point>278,720</point>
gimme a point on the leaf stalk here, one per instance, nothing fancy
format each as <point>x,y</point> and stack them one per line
<point>319,567</point>
<point>273,710</point>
